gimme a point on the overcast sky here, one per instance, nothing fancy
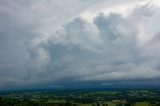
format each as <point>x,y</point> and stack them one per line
<point>79,43</point>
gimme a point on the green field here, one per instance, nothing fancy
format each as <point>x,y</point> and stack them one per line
<point>83,97</point>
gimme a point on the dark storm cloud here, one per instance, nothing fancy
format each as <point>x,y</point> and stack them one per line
<point>103,51</point>
<point>41,44</point>
<point>22,24</point>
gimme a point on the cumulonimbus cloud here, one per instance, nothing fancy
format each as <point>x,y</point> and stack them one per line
<point>109,48</point>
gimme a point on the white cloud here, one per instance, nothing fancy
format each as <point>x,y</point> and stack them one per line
<point>107,49</point>
<point>87,42</point>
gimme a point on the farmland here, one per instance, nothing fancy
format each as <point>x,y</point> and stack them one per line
<point>80,97</point>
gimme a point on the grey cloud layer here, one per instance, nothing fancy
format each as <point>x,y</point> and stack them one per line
<point>28,22</point>
<point>112,48</point>
<point>108,49</point>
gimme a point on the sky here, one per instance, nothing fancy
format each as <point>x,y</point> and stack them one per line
<point>79,43</point>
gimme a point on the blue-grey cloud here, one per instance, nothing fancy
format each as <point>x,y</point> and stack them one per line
<point>43,45</point>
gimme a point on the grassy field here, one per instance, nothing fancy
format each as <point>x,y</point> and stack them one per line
<point>81,98</point>
<point>142,104</point>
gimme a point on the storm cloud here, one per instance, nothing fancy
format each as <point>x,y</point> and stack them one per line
<point>53,43</point>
